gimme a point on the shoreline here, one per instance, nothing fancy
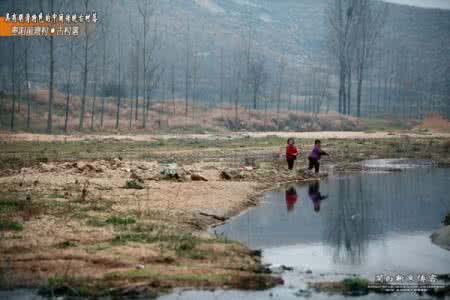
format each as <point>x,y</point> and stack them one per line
<point>152,236</point>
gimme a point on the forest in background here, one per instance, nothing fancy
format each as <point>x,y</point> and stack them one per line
<point>239,65</point>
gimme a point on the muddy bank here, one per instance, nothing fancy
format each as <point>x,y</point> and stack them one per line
<point>130,217</point>
<point>15,137</point>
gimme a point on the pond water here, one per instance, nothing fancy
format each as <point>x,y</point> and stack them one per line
<point>367,224</point>
<point>364,224</point>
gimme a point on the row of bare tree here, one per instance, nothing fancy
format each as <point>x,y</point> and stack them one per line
<point>136,54</point>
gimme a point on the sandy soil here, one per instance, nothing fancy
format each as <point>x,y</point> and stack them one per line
<point>150,137</point>
<point>74,213</point>
<point>66,200</point>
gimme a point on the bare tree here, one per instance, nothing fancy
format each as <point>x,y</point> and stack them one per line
<point>119,82</point>
<point>187,74</point>
<point>146,9</point>
<point>104,24</point>
<point>280,82</point>
<point>68,84</point>
<point>369,27</point>
<point>258,77</point>
<point>85,68</point>
<point>94,98</point>
<point>51,42</point>
<point>172,87</point>
<point>341,18</point>
<point>27,85</point>
<point>13,82</point>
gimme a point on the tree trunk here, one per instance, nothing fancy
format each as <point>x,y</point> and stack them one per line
<point>27,89</point>
<point>13,82</point>
<point>94,98</point>
<point>50,88</point>
<point>137,82</point>
<point>85,74</point>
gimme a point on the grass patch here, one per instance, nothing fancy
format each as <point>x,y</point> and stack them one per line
<point>355,284</point>
<point>116,220</point>
<point>70,287</point>
<point>55,196</point>
<point>95,222</point>
<point>133,184</point>
<point>9,203</point>
<point>8,225</point>
<point>67,244</point>
<point>150,275</point>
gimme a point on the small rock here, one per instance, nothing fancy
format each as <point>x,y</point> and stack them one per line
<point>441,238</point>
<point>25,170</point>
<point>303,293</point>
<point>197,177</point>
<point>81,166</point>
<point>134,175</point>
<point>308,271</point>
<point>225,175</point>
<point>140,267</point>
<point>47,167</point>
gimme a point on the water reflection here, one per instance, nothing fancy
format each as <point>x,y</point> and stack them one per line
<point>290,198</point>
<point>371,222</point>
<point>347,222</point>
<point>315,195</point>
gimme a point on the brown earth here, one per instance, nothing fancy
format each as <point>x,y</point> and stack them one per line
<point>436,123</point>
<point>133,223</point>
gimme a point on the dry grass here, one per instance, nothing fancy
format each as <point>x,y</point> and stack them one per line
<point>435,122</point>
<point>170,116</point>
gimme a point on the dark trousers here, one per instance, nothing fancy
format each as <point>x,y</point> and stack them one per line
<point>314,163</point>
<point>290,163</point>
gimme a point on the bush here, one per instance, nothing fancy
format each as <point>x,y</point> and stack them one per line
<point>133,184</point>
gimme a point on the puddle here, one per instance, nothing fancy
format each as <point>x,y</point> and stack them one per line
<point>361,224</point>
<point>396,164</point>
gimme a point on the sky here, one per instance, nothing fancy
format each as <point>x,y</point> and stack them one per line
<point>445,4</point>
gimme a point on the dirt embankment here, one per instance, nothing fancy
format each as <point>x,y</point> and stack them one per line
<point>127,217</point>
<point>8,137</point>
<point>129,226</point>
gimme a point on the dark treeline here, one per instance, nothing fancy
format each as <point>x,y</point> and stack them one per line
<point>358,57</point>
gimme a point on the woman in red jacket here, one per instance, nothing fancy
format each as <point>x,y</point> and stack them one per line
<point>291,153</point>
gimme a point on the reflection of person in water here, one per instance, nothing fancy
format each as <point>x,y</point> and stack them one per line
<point>291,198</point>
<point>315,195</point>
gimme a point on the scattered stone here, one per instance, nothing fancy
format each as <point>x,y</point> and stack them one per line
<point>140,267</point>
<point>308,271</point>
<point>135,176</point>
<point>25,171</point>
<point>213,216</point>
<point>303,293</point>
<point>441,237</point>
<point>197,177</point>
<point>278,269</point>
<point>224,175</point>
<point>232,175</point>
<point>47,167</point>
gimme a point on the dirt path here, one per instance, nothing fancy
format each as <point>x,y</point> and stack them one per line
<point>5,136</point>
